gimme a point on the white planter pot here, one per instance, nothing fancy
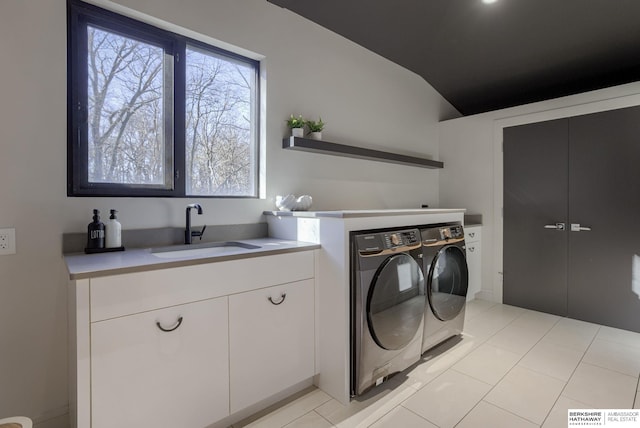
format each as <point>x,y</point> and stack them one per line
<point>315,135</point>
<point>297,132</point>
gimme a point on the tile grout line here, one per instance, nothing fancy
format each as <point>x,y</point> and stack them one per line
<point>416,390</point>
<point>519,360</point>
<point>464,374</point>
<point>609,368</point>
<point>547,332</point>
<point>484,341</point>
<point>497,407</point>
<point>503,376</point>
<point>421,417</point>
<point>492,386</point>
<point>556,344</point>
<point>309,412</point>
<point>572,373</point>
<point>325,419</point>
<point>396,406</point>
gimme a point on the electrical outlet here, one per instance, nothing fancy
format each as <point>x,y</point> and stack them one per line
<point>7,241</point>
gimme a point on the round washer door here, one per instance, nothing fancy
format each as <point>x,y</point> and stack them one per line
<point>448,283</point>
<point>396,302</point>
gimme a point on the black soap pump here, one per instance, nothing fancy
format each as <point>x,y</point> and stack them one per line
<point>95,232</point>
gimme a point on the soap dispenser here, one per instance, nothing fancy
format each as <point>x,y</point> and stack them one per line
<point>95,232</point>
<point>114,231</point>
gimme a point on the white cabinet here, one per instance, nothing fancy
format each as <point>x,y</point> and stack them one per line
<point>472,237</point>
<point>125,371</point>
<point>143,376</point>
<point>271,341</point>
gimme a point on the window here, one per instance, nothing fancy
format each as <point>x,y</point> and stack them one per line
<point>153,113</point>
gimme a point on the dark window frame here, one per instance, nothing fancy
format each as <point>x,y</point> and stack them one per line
<point>79,15</point>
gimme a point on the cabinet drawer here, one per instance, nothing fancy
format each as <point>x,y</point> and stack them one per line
<point>472,233</point>
<point>473,249</point>
<point>271,341</point>
<point>120,295</point>
<point>474,263</point>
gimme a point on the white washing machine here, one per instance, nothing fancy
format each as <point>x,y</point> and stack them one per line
<point>388,304</point>
<point>447,276</point>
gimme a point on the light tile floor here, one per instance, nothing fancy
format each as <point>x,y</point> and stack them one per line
<point>511,368</point>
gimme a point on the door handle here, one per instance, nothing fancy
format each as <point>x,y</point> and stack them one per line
<point>557,226</point>
<point>575,227</point>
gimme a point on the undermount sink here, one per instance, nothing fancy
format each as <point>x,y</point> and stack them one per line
<point>202,250</point>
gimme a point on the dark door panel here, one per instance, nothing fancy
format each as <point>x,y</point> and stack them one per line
<point>535,195</point>
<point>604,195</point>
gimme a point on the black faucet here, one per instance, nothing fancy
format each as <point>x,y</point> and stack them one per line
<point>188,233</point>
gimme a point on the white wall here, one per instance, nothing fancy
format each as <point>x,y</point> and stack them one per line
<point>471,148</point>
<point>364,99</point>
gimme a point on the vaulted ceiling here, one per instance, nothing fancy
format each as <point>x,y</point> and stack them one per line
<point>483,57</point>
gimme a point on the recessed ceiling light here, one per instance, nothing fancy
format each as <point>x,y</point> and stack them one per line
<point>489,1</point>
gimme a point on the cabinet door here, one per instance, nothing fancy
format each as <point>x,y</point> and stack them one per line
<point>271,334</point>
<point>142,376</point>
<point>472,233</point>
<point>474,260</point>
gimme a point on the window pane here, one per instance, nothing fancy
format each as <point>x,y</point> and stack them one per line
<point>126,126</point>
<point>220,148</point>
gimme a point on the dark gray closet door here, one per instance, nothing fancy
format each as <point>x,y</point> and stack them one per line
<point>535,196</point>
<point>604,195</point>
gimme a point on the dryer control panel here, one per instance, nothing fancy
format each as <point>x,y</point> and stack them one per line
<point>451,232</point>
<point>442,234</point>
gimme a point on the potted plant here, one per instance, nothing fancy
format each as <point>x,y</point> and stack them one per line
<point>297,125</point>
<point>315,129</point>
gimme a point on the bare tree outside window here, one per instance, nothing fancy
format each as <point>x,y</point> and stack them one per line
<point>219,151</point>
<point>152,113</point>
<point>125,114</point>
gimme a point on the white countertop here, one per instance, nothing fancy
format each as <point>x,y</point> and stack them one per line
<point>81,266</point>
<point>364,213</point>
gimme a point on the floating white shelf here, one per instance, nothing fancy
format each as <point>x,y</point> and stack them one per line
<point>327,148</point>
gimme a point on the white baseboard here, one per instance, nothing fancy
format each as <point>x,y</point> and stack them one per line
<point>485,295</point>
<point>264,407</point>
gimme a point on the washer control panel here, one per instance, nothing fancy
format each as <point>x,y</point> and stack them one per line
<point>401,238</point>
<point>387,242</point>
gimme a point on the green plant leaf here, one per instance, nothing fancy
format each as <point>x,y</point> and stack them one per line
<point>296,122</point>
<point>315,126</point>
